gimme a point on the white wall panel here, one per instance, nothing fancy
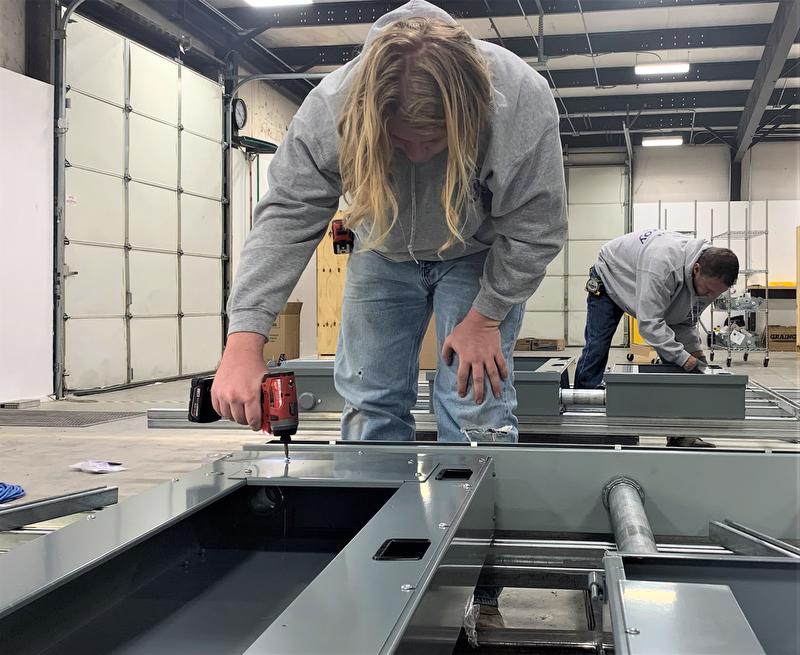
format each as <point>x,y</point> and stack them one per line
<point>201,105</point>
<point>582,254</point>
<point>556,267</point>
<point>681,174</point>
<point>201,225</point>
<point>596,184</point>
<point>576,286</point>
<point>95,207</point>
<point>95,137</point>
<point>95,60</point>
<point>95,282</point>
<point>202,343</point>
<point>542,325</point>
<point>154,84</point>
<point>201,162</point>
<point>645,216</point>
<point>201,288</point>
<point>152,217</point>
<point>153,283</point>
<point>549,297</point>
<point>154,348</point>
<point>771,171</point>
<point>598,221</point>
<point>95,352</point>
<point>153,151</point>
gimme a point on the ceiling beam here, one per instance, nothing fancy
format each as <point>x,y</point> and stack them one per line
<point>782,35</point>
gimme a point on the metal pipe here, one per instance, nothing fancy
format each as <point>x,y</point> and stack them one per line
<point>582,396</point>
<point>624,500</point>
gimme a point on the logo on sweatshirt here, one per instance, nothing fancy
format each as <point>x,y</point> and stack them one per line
<point>644,236</point>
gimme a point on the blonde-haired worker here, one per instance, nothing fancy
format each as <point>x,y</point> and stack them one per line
<point>447,152</point>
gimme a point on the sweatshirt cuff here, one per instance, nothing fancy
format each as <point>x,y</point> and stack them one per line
<point>250,320</point>
<point>682,358</point>
<point>491,306</point>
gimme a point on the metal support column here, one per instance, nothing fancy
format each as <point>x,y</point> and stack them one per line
<point>624,500</point>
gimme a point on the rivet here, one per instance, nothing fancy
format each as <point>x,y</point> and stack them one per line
<point>466,485</point>
<point>176,479</point>
<point>91,517</point>
<point>633,631</point>
<point>407,587</point>
<point>444,526</point>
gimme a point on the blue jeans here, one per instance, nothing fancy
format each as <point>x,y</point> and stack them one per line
<point>386,310</point>
<point>602,318</point>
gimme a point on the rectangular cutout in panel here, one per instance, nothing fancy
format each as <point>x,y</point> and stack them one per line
<point>95,281</point>
<point>454,474</point>
<point>201,285</point>
<point>154,348</point>
<point>153,217</point>
<point>95,207</point>
<point>597,184</point>
<point>201,165</point>
<point>153,151</point>
<point>549,297</point>
<point>201,225</point>
<point>95,60</point>
<point>95,353</point>
<point>153,283</point>
<point>407,550</point>
<point>544,325</point>
<point>154,84</point>
<point>95,138</point>
<point>201,105</point>
<point>201,343</point>
<point>596,221</point>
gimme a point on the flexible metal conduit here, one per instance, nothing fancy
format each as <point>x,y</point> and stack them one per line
<point>624,500</point>
<point>582,396</point>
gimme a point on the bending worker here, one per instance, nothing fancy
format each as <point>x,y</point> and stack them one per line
<point>663,279</point>
<point>447,152</point>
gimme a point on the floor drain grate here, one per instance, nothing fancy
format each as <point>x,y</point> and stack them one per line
<point>56,419</point>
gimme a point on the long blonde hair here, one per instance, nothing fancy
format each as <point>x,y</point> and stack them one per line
<point>429,74</point>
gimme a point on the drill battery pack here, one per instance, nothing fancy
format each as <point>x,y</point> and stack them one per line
<point>200,408</point>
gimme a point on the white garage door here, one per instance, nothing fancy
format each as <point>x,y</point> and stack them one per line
<point>143,221</point>
<point>596,197</point>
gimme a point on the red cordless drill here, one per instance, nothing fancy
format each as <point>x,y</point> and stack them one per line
<point>342,238</point>
<point>278,404</point>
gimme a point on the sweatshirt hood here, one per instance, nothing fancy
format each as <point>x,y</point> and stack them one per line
<point>694,249</point>
<point>412,9</point>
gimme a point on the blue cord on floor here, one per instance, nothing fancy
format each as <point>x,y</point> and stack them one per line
<point>9,492</point>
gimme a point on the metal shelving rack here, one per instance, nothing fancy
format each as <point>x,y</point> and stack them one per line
<point>727,302</point>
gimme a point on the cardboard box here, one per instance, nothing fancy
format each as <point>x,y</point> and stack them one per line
<point>533,343</point>
<point>284,337</point>
<point>782,338</point>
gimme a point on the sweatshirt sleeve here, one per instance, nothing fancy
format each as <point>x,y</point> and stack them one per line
<point>289,222</point>
<point>528,208</point>
<point>686,334</point>
<point>653,295</point>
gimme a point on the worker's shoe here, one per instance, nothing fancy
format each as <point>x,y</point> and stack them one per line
<point>490,618</point>
<point>688,442</point>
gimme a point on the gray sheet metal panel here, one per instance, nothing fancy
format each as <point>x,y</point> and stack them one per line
<point>743,543</point>
<point>19,515</point>
<point>716,395</point>
<point>682,619</point>
<point>374,619</point>
<point>559,489</point>
<point>765,588</point>
<point>315,377</point>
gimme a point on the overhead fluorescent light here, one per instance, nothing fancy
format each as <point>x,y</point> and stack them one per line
<point>278,3</point>
<point>652,141</point>
<point>662,68</point>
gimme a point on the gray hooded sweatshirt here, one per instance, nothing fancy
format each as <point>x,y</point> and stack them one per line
<point>648,274</point>
<point>517,209</point>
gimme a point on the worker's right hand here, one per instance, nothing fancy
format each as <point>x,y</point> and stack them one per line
<point>236,392</point>
<point>690,364</point>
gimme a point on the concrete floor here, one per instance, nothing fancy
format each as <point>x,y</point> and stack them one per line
<point>39,460</point>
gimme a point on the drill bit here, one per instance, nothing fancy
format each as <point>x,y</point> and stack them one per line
<point>286,450</point>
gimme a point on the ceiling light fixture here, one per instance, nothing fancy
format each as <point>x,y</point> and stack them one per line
<point>662,68</point>
<point>652,141</point>
<point>277,3</point>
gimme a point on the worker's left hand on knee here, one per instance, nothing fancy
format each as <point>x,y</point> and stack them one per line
<point>476,341</point>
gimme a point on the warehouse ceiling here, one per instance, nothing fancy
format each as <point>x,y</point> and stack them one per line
<point>587,51</point>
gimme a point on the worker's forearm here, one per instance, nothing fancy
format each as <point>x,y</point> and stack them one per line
<point>245,342</point>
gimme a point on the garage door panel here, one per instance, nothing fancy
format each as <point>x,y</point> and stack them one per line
<point>556,267</point>
<point>597,184</point>
<point>542,325</point>
<point>201,163</point>
<point>201,225</point>
<point>95,352</point>
<point>576,323</point>
<point>582,255</point>
<point>202,343</point>
<point>153,151</point>
<point>153,217</point>
<point>154,348</point>
<point>201,288</point>
<point>95,59</point>
<point>548,297</point>
<point>577,292</point>
<point>154,84</point>
<point>201,105</point>
<point>95,207</point>
<point>154,283</point>
<point>95,138</point>
<point>95,280</point>
<point>600,222</point>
